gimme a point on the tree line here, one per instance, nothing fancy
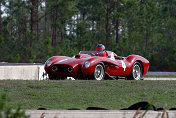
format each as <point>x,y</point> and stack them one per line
<point>34,30</point>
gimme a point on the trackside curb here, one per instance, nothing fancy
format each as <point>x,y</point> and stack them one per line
<point>98,114</point>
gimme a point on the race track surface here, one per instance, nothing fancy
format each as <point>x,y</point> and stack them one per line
<point>152,78</point>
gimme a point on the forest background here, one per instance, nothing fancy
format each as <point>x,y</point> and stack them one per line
<point>34,30</point>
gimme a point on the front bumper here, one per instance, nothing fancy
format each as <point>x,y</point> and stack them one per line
<point>64,70</point>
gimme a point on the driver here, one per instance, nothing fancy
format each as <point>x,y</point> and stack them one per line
<point>100,51</point>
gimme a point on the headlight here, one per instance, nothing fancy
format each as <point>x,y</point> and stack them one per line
<point>48,62</point>
<point>54,68</point>
<point>70,69</point>
<point>86,64</point>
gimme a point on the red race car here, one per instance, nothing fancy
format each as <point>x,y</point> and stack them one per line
<point>86,65</point>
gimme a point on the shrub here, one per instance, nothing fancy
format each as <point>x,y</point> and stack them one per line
<point>7,112</point>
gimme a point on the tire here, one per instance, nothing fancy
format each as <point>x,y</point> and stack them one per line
<point>136,73</point>
<point>56,77</point>
<point>52,76</point>
<point>99,72</point>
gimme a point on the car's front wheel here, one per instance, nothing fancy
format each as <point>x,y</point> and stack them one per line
<point>55,77</point>
<point>99,72</point>
<point>136,73</point>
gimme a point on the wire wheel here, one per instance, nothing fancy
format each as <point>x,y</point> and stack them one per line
<point>99,72</point>
<point>136,73</point>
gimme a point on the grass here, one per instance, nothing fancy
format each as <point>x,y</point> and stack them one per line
<point>110,94</point>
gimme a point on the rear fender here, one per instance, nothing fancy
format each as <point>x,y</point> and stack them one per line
<point>136,58</point>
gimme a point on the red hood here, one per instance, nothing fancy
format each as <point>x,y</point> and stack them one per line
<point>77,60</point>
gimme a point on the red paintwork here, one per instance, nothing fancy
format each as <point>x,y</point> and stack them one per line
<point>54,59</point>
<point>112,67</point>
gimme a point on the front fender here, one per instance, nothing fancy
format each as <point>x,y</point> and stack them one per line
<point>93,62</point>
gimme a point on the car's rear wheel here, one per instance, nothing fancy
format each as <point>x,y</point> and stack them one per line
<point>136,73</point>
<point>99,72</point>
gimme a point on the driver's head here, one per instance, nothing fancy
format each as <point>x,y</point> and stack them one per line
<point>100,48</point>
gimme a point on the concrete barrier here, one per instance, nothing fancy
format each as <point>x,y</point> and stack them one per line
<point>98,114</point>
<point>22,72</point>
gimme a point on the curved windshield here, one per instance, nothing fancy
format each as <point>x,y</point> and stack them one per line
<point>87,52</point>
<point>99,52</point>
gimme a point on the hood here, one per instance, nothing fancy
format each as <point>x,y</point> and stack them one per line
<point>76,60</point>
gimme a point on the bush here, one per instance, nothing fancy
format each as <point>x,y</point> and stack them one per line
<point>7,112</point>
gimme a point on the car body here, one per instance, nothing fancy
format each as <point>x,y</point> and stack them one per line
<point>86,66</point>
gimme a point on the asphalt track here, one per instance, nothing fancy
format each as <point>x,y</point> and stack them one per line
<point>159,78</point>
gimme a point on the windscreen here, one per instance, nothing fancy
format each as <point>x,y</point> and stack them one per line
<point>87,52</point>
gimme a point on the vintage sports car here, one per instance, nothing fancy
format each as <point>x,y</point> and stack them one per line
<point>86,66</point>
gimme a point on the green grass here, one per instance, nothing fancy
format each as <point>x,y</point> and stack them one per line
<point>110,94</point>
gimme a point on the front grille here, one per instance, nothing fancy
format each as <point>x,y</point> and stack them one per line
<point>61,68</point>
